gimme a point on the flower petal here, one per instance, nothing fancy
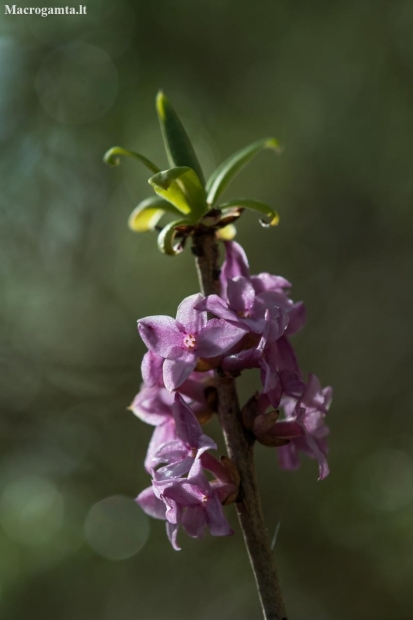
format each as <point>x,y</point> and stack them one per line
<point>220,471</point>
<point>240,293</point>
<point>219,307</point>
<point>172,533</point>
<point>164,433</point>
<point>183,492</point>
<point>171,451</point>
<point>151,369</point>
<point>218,337</point>
<point>194,387</point>
<point>288,457</point>
<point>176,371</point>
<point>152,405</point>
<point>298,316</point>
<point>323,467</point>
<point>194,521</point>
<point>218,525</point>
<point>198,480</point>
<point>150,504</point>
<point>192,319</point>
<point>161,335</point>
<point>281,356</point>
<point>268,282</point>
<point>292,383</point>
<point>187,426</point>
<point>173,510</point>
<point>235,264</point>
<point>176,470</point>
<point>250,358</point>
<point>313,397</point>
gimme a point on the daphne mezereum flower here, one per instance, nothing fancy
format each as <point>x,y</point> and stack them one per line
<point>310,411</point>
<point>249,296</point>
<point>280,372</point>
<point>179,454</point>
<point>255,320</point>
<point>192,503</point>
<point>154,403</point>
<point>182,342</point>
<point>247,309</point>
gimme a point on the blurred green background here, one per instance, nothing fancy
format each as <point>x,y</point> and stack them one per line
<point>333,81</point>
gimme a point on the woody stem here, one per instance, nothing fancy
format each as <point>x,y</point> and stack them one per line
<point>240,449</point>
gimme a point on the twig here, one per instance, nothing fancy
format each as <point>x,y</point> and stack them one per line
<point>239,443</point>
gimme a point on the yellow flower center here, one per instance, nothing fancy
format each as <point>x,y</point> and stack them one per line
<point>190,341</point>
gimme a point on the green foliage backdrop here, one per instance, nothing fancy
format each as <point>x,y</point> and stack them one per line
<point>333,82</point>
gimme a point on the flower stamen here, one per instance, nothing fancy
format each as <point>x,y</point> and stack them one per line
<point>190,341</point>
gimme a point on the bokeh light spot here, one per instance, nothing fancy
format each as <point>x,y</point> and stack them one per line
<point>116,528</point>
<point>31,510</point>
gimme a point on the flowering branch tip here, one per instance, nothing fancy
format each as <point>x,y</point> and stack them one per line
<point>239,321</point>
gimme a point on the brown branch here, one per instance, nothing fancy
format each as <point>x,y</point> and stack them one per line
<point>239,443</point>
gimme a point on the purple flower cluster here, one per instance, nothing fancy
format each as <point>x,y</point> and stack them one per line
<point>253,321</point>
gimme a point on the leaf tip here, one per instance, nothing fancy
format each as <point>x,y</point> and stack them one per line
<point>272,143</point>
<point>160,179</point>
<point>161,102</point>
<point>166,238</point>
<point>145,216</point>
<point>111,157</point>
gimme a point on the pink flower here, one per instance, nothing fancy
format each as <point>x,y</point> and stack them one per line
<point>255,320</point>
<point>180,453</point>
<point>310,411</point>
<point>154,403</point>
<point>192,503</point>
<point>269,291</point>
<point>182,342</point>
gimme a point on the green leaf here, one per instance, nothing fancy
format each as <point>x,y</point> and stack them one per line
<point>255,205</point>
<point>113,155</point>
<point>182,188</point>
<point>148,213</point>
<point>232,166</point>
<point>167,235</point>
<point>178,146</point>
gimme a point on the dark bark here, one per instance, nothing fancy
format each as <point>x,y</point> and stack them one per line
<point>240,446</point>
